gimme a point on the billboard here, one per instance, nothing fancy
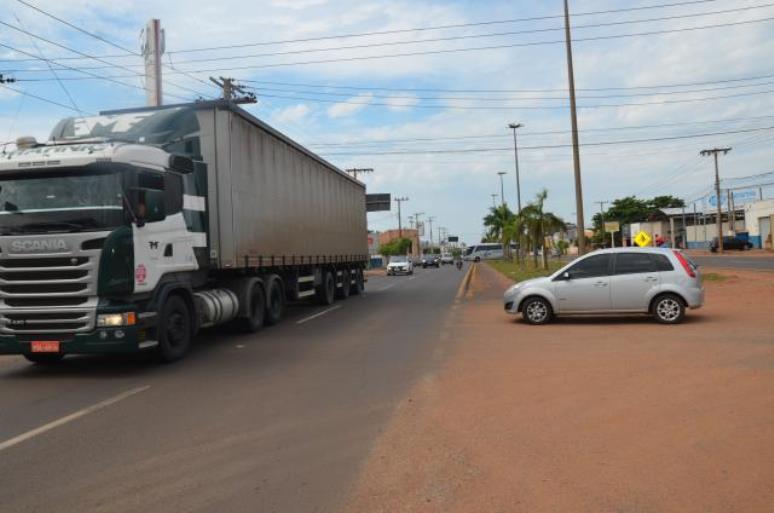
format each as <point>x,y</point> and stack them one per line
<point>741,197</point>
<point>378,202</point>
<point>453,238</point>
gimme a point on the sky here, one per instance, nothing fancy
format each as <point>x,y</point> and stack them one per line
<point>428,110</point>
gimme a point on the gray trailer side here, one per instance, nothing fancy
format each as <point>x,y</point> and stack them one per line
<point>272,202</point>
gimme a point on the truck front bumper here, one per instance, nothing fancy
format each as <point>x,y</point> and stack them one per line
<point>127,339</point>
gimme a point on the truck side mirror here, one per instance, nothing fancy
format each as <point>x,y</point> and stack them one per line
<point>153,209</point>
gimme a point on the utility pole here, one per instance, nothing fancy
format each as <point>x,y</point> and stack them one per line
<point>575,144</point>
<point>502,187</point>
<point>514,126</point>
<point>152,49</point>
<point>230,88</point>
<point>430,220</point>
<point>400,219</point>
<point>714,152</point>
<point>731,212</point>
<point>494,200</point>
<point>602,217</point>
<point>359,170</point>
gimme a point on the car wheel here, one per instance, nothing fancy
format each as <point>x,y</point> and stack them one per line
<point>668,309</point>
<point>537,310</point>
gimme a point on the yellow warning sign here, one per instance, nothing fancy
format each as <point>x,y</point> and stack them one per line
<point>642,239</point>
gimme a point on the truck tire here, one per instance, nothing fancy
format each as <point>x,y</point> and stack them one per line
<point>257,313</point>
<point>359,286</point>
<point>327,289</point>
<point>44,358</point>
<point>275,300</point>
<point>346,286</point>
<point>174,330</point>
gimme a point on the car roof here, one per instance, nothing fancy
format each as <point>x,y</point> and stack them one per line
<point>631,249</point>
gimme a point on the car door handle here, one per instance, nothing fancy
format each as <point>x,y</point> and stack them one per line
<point>600,284</point>
<point>651,278</point>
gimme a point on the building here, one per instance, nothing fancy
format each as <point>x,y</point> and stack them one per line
<point>758,219</point>
<point>387,236</point>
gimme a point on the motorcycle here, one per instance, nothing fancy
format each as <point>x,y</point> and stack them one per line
<point>459,265</point>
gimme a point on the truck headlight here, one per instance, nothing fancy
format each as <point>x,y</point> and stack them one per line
<point>116,319</point>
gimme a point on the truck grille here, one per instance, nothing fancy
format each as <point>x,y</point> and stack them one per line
<point>48,294</point>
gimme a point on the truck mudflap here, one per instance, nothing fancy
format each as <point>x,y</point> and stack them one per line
<point>123,339</point>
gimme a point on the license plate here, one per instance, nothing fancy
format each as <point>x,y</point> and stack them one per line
<point>44,346</point>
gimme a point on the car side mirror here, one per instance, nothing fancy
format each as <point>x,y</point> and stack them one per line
<point>566,275</point>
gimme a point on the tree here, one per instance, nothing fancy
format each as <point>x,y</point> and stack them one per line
<point>537,223</point>
<point>496,223</point>
<point>396,247</point>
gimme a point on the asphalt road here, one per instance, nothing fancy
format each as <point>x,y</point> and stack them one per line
<point>730,261</point>
<point>276,421</point>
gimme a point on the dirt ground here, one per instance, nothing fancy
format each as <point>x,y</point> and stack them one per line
<point>603,415</point>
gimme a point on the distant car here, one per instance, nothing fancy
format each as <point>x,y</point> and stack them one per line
<point>730,243</point>
<point>430,261</point>
<point>656,281</point>
<point>399,265</point>
<point>447,259</point>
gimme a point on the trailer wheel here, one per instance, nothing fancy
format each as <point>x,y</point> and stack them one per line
<point>359,286</point>
<point>174,330</point>
<point>327,289</point>
<point>257,313</point>
<point>343,291</point>
<point>275,300</point>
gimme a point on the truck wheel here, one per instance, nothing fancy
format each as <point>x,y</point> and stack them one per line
<point>343,291</point>
<point>44,358</point>
<point>327,289</point>
<point>174,330</point>
<point>275,300</point>
<point>359,286</point>
<point>257,313</point>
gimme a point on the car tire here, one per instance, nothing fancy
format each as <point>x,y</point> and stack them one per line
<point>44,358</point>
<point>536,311</point>
<point>668,309</point>
<point>174,330</point>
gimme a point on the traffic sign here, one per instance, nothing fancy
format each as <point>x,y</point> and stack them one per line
<point>612,226</point>
<point>642,239</point>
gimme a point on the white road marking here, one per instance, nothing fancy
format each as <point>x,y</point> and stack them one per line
<point>318,314</point>
<point>69,418</point>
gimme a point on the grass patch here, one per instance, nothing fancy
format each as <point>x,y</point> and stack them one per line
<point>526,271</point>
<point>713,277</point>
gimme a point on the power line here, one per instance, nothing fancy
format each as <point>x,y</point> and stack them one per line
<point>100,38</point>
<point>472,36</point>
<point>457,50</point>
<point>550,146</point>
<point>64,106</point>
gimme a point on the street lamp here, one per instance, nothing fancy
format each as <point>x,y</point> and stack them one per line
<point>514,126</point>
<point>502,187</point>
<point>494,201</point>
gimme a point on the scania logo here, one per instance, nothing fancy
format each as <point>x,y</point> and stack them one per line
<point>33,246</point>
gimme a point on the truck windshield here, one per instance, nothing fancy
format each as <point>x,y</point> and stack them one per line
<point>73,199</point>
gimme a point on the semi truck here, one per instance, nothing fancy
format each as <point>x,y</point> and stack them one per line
<point>131,230</point>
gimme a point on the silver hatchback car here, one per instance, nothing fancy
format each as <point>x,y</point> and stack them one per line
<point>656,281</point>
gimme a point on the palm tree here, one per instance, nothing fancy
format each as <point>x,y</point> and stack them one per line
<point>537,223</point>
<point>497,221</point>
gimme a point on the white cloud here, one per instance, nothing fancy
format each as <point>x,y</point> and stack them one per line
<point>401,103</point>
<point>292,114</point>
<point>350,106</point>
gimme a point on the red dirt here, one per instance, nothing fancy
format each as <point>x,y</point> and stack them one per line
<point>603,415</point>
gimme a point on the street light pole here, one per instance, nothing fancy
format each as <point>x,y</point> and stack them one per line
<point>714,152</point>
<point>494,201</point>
<point>514,126</point>
<point>502,187</point>
<point>400,219</point>
<point>575,144</point>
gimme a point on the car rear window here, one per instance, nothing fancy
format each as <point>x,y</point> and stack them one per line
<point>630,263</point>
<point>662,263</point>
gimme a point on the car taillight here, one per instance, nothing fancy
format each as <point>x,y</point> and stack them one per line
<point>685,264</point>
